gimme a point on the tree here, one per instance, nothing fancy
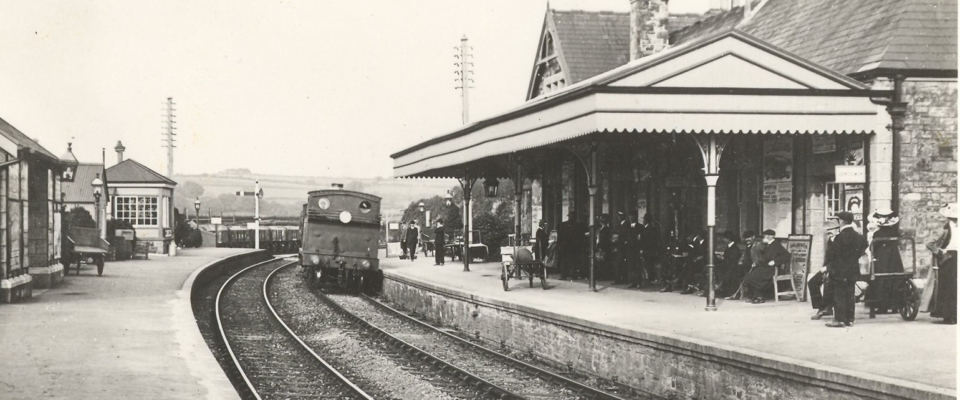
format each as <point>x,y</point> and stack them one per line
<point>79,217</point>
<point>191,190</point>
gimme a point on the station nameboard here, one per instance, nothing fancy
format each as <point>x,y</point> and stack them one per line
<point>850,173</point>
<point>216,220</point>
<point>799,248</point>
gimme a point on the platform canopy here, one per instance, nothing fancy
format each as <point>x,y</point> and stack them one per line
<point>728,83</point>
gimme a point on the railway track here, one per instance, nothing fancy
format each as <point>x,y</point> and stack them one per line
<point>270,358</point>
<point>494,374</point>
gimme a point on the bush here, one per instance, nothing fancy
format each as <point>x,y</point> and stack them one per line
<point>79,217</point>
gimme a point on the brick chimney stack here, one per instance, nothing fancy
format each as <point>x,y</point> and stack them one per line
<point>119,150</point>
<point>648,27</point>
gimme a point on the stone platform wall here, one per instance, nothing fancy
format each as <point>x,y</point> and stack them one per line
<point>652,364</point>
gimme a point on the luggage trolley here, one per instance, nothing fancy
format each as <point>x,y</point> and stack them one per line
<point>901,294</point>
<point>519,261</point>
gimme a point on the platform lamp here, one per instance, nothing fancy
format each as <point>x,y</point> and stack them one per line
<point>491,186</point>
<point>196,206</point>
<point>63,202</point>
<point>97,187</point>
<point>422,207</point>
<point>448,199</point>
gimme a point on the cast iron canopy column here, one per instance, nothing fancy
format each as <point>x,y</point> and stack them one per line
<point>711,147</point>
<point>586,154</point>
<point>466,183</point>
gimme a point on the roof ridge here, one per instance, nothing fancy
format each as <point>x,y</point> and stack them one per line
<point>146,168</point>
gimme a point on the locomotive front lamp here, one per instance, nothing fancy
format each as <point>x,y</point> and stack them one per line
<point>491,186</point>
<point>421,206</point>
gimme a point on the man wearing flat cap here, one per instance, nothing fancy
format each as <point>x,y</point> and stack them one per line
<point>770,257</point>
<point>843,264</point>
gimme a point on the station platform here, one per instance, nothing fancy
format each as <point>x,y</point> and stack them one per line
<point>876,352</point>
<point>127,334</point>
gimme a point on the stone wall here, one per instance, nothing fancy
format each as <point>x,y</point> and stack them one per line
<point>928,160</point>
<point>647,364</point>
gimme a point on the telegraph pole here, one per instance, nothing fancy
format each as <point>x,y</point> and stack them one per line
<point>464,61</point>
<point>168,132</point>
<point>465,73</point>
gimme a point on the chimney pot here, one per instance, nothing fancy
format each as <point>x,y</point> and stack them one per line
<point>119,148</point>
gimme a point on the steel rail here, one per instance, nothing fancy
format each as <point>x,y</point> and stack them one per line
<point>586,390</point>
<point>343,379</point>
<point>223,334</point>
<point>491,389</point>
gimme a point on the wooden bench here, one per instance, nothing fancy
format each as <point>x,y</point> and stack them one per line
<point>85,243</point>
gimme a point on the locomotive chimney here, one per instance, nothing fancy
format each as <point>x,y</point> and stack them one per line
<point>119,148</point>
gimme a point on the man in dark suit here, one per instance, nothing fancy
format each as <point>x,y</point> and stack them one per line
<point>569,238</point>
<point>843,265</point>
<point>413,236</point>
<point>439,240</point>
<point>772,256</point>
<point>728,272</point>
<point>604,246</point>
<point>629,251</point>
<point>821,288</point>
<point>543,239</point>
<point>650,250</point>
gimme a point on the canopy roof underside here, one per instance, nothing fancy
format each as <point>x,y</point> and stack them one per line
<point>729,83</point>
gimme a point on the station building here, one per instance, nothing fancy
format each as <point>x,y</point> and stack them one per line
<point>29,215</point>
<point>777,114</point>
<point>144,198</point>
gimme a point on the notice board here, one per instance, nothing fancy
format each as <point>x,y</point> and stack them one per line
<point>799,248</point>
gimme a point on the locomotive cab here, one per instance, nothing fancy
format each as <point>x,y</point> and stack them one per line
<point>339,240</point>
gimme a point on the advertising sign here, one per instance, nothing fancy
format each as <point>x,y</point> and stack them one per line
<point>799,248</point>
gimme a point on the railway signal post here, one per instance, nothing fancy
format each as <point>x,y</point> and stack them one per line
<point>258,194</point>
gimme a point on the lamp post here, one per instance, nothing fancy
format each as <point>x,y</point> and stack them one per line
<point>196,206</point>
<point>97,192</point>
<point>421,207</point>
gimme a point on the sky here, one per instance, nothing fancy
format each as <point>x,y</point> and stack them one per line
<point>308,88</point>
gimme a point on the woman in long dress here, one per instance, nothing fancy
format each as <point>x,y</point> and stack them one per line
<point>885,251</point>
<point>945,253</point>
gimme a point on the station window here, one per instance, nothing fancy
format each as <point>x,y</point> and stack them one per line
<point>137,210</point>
<point>834,198</point>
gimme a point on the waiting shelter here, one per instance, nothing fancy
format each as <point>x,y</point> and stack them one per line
<point>722,130</point>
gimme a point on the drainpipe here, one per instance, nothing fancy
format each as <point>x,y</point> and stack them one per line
<point>898,111</point>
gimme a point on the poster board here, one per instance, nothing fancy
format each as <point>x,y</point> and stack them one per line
<point>799,248</point>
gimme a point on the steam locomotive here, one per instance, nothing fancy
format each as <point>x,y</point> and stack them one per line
<point>339,230</point>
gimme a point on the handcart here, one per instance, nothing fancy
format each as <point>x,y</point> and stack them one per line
<point>897,291</point>
<point>85,244</point>
<point>517,262</point>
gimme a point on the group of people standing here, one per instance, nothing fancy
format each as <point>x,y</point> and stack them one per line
<point>833,288</point>
<point>410,238</point>
<point>627,253</point>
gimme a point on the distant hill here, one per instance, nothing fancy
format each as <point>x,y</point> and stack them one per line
<point>290,192</point>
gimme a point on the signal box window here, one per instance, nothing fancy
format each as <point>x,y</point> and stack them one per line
<point>137,210</point>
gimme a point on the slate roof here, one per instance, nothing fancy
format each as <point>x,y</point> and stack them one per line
<point>852,36</point>
<point>22,140</point>
<point>130,171</point>
<point>594,42</point>
<point>80,190</point>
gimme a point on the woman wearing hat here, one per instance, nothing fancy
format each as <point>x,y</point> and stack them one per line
<point>945,253</point>
<point>886,255</point>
